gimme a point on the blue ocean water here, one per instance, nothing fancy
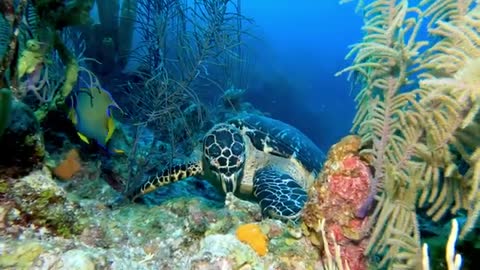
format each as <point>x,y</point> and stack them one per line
<point>303,46</point>
<point>295,51</point>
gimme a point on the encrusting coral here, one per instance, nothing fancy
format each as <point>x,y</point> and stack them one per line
<point>339,204</point>
<point>37,200</point>
<point>418,118</point>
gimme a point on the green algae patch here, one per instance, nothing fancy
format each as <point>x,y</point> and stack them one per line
<point>22,257</point>
<point>43,203</point>
<point>3,186</point>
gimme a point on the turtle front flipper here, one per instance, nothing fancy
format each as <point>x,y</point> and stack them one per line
<point>167,176</point>
<point>278,194</point>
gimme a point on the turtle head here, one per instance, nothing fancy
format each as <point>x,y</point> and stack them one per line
<point>224,151</point>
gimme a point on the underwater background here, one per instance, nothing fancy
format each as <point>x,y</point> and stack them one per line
<point>239,134</point>
<point>296,51</point>
<point>305,51</point>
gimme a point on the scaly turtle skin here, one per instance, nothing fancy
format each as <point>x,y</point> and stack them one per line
<point>255,158</point>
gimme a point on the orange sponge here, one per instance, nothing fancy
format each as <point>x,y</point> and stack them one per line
<point>252,235</point>
<point>69,166</point>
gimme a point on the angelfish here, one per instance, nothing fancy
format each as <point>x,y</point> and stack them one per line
<point>91,113</point>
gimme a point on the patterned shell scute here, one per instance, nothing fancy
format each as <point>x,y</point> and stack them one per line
<point>280,139</point>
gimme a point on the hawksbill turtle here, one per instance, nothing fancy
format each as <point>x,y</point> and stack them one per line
<point>254,158</point>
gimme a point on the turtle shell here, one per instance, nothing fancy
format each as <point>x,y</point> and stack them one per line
<point>278,138</point>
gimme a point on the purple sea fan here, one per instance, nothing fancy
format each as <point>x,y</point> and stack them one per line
<point>37,83</point>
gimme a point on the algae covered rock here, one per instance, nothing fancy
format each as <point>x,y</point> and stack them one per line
<point>21,142</point>
<point>37,200</point>
<point>76,259</point>
<point>225,251</point>
<point>22,256</point>
<point>341,203</point>
<point>5,107</point>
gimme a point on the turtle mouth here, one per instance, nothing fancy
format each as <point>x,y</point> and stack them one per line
<point>229,183</point>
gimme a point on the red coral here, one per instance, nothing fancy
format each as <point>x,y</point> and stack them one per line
<point>352,183</point>
<point>347,189</point>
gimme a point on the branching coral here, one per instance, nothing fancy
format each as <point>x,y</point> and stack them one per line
<point>417,116</point>
<point>50,17</point>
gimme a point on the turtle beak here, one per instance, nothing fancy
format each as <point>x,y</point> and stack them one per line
<point>229,183</point>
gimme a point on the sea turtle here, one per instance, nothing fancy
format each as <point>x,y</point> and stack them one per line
<point>254,158</point>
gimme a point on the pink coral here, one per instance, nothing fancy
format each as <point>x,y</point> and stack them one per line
<point>352,183</point>
<point>342,197</point>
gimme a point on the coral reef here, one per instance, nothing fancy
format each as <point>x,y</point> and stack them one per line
<point>413,165</point>
<point>36,200</point>
<point>80,223</point>
<point>339,203</point>
<point>184,233</point>
<point>418,118</point>
<point>52,16</point>
<point>24,68</point>
<point>21,143</point>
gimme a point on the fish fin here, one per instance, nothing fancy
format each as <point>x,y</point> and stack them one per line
<point>110,128</point>
<point>83,137</point>
<point>118,151</point>
<point>72,115</point>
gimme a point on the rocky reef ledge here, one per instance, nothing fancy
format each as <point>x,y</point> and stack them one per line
<point>50,224</point>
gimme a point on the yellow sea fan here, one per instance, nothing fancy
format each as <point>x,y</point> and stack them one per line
<point>470,73</point>
<point>470,76</point>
